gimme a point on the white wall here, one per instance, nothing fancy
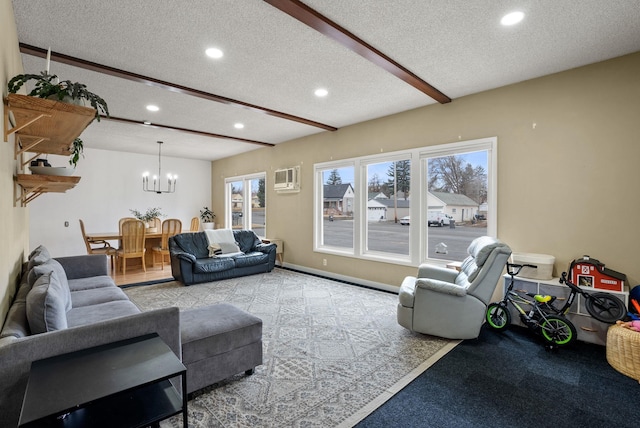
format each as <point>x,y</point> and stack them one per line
<point>111,184</point>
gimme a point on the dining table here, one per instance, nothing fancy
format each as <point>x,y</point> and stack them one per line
<point>151,239</point>
<point>115,236</point>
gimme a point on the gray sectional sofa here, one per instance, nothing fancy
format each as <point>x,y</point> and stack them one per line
<point>192,261</point>
<point>70,303</point>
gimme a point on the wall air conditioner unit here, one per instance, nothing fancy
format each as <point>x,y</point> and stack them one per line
<point>287,180</point>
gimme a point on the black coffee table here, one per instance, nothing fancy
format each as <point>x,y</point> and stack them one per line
<point>122,384</point>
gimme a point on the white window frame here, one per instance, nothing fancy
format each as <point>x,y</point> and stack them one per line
<point>418,245</point>
<point>246,195</point>
<point>318,207</point>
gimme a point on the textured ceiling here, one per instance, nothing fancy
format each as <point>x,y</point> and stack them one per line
<point>272,60</point>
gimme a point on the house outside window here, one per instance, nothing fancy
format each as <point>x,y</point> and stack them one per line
<point>245,203</point>
<point>390,223</point>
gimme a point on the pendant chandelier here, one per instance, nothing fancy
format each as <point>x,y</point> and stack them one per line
<point>157,186</point>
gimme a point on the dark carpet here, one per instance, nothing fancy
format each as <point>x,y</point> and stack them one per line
<point>509,380</point>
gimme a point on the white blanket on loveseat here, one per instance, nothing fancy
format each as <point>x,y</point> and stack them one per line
<point>223,240</point>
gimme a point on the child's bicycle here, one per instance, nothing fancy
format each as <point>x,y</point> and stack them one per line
<point>542,317</point>
<point>604,307</point>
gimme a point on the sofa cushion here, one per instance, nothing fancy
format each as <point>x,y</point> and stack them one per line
<point>46,304</point>
<point>95,296</point>
<point>193,243</point>
<point>246,239</point>
<point>251,259</point>
<point>91,282</point>
<point>49,266</point>
<point>16,324</point>
<point>215,264</point>
<point>101,312</point>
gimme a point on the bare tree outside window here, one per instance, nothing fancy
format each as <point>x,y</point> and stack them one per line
<point>386,207</point>
<point>457,190</point>
<point>416,200</point>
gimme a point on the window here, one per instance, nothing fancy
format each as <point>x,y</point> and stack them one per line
<point>409,206</point>
<point>457,187</point>
<point>246,203</point>
<point>337,207</point>
<point>388,201</point>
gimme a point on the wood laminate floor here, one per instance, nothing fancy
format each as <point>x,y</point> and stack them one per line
<point>135,274</point>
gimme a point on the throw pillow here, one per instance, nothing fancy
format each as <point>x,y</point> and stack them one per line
<point>52,265</point>
<point>45,305</point>
<point>40,249</point>
<point>37,260</point>
<point>214,250</point>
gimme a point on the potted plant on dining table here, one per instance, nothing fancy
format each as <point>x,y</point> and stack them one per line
<point>148,217</point>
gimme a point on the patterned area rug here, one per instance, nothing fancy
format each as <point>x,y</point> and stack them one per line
<point>333,352</point>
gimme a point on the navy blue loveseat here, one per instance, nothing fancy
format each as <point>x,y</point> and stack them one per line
<point>191,264</point>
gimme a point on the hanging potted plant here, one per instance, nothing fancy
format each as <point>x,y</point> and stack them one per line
<point>207,216</point>
<point>77,150</point>
<point>48,86</point>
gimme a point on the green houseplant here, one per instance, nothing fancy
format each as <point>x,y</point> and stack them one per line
<point>207,216</point>
<point>148,215</point>
<point>48,86</point>
<point>77,149</point>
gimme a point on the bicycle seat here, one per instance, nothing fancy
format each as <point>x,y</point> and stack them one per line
<point>544,299</point>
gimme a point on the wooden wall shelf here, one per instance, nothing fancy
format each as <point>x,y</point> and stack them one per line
<point>43,126</point>
<point>34,185</point>
<point>52,125</point>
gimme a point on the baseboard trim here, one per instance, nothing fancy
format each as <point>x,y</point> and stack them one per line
<point>154,282</point>
<point>342,278</point>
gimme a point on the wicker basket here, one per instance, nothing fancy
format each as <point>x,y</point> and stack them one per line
<point>623,351</point>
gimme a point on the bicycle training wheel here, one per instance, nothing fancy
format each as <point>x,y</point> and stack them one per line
<point>605,307</point>
<point>498,316</point>
<point>558,330</point>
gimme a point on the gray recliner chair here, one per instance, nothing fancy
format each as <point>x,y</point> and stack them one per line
<point>447,303</point>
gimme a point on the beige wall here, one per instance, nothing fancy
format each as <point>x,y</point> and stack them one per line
<point>14,226</point>
<point>568,167</point>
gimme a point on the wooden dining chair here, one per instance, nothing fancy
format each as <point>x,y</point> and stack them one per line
<point>170,227</point>
<point>133,234</point>
<point>105,247</point>
<point>195,224</point>
<point>120,223</point>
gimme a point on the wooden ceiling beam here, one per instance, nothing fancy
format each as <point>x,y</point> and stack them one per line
<point>190,131</point>
<point>324,25</point>
<point>174,87</point>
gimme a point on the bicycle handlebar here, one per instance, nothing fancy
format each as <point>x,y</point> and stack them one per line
<point>564,280</point>
<point>515,268</point>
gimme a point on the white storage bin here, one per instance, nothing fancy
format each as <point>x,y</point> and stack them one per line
<point>543,261</point>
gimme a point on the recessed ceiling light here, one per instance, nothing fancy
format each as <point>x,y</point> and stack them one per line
<point>151,107</point>
<point>146,122</point>
<point>321,92</point>
<point>214,53</point>
<point>512,18</point>
<point>238,125</point>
